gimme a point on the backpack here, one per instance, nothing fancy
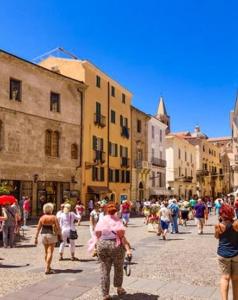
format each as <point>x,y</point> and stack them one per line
<point>174,210</point>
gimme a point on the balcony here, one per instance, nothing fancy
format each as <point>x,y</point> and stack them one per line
<point>125,162</point>
<point>158,162</point>
<point>125,132</point>
<point>142,164</point>
<point>188,179</point>
<point>99,120</point>
<point>202,173</point>
<point>99,156</point>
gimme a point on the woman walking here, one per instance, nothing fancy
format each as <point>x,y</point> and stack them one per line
<point>94,216</point>
<point>227,233</point>
<point>69,233</point>
<point>111,246</point>
<point>48,225</point>
<point>9,225</point>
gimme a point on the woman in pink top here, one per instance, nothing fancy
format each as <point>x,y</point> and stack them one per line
<point>111,246</point>
<point>26,209</point>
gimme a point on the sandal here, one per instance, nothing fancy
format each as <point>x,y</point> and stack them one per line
<point>49,272</point>
<point>107,297</point>
<point>121,291</point>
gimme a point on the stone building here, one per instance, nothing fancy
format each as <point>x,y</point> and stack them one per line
<point>106,151</point>
<point>210,179</point>
<point>40,131</point>
<point>139,147</point>
<point>181,166</point>
<point>234,146</point>
<point>156,154</point>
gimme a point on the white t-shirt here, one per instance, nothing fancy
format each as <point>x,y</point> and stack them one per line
<point>94,215</point>
<point>165,214</point>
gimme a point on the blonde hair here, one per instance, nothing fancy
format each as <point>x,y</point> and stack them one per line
<point>48,208</point>
<point>67,208</point>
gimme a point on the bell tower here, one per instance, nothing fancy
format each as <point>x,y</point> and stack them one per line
<point>162,115</point>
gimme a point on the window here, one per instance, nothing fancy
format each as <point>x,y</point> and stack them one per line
<point>123,151</point>
<point>123,176</point>
<point>112,91</point>
<point>179,171</point>
<point>139,154</point>
<point>161,155</point>
<point>179,153</point>
<point>98,108</point>
<point>98,81</point>
<point>15,89</point>
<point>186,172</point>
<point>153,152</point>
<point>48,137</point>
<point>161,135</point>
<point>128,177</point>
<point>97,143</point>
<point>113,116</point>
<point>139,126</point>
<point>55,144</point>
<point>113,149</point>
<point>123,98</point>
<point>185,156</point>
<point>191,158</point>
<point>97,173</point>
<point>1,135</point>
<point>153,132</point>
<point>55,102</point>
<point>153,179</point>
<point>117,175</point>
<point>74,151</point>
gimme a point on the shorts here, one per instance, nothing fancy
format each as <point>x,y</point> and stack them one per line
<point>200,221</point>
<point>125,216</point>
<point>184,214</point>
<point>164,224</point>
<point>228,265</point>
<point>48,238</point>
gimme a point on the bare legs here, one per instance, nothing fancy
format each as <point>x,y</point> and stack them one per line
<point>49,249</point>
<point>225,280</point>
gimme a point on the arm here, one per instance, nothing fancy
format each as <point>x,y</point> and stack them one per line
<point>39,226</point>
<point>4,217</point>
<point>219,229</point>
<point>235,225</point>
<point>75,216</point>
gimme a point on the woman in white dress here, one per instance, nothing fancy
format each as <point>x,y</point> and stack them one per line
<point>69,233</point>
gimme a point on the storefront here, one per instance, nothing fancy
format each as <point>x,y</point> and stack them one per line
<point>51,191</point>
<point>19,188</point>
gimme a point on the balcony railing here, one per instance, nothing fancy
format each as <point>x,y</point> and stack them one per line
<point>202,173</point>
<point>142,164</point>
<point>99,156</point>
<point>158,162</point>
<point>125,162</point>
<point>185,179</point>
<point>125,132</point>
<point>99,120</point>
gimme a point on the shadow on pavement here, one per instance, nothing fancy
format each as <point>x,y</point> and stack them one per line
<point>87,260</point>
<point>67,271</point>
<point>13,266</point>
<point>26,246</point>
<point>139,296</point>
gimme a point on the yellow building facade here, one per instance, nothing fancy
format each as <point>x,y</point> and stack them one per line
<point>106,146</point>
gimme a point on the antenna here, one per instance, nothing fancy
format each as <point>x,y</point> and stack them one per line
<point>54,52</point>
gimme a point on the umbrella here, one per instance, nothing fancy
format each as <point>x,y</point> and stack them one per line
<point>7,199</point>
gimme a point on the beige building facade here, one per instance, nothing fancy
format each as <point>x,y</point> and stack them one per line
<point>106,151</point>
<point>209,171</point>
<point>40,132</point>
<point>181,167</point>
<point>139,147</point>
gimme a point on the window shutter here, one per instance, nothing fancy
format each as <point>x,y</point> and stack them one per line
<point>121,120</point>
<point>110,148</point>
<point>126,152</point>
<point>126,122</point>
<point>94,142</point>
<point>121,151</point>
<point>101,146</point>
<point>102,174</point>
<point>116,150</point>
<point>127,176</point>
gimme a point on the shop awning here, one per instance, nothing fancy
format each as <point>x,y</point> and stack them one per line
<point>98,189</point>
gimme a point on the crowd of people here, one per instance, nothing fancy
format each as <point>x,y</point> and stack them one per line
<point>107,227</point>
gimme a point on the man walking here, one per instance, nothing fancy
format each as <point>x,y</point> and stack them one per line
<point>174,209</point>
<point>200,209</point>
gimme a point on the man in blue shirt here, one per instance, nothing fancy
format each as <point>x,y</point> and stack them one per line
<point>200,208</point>
<point>173,207</point>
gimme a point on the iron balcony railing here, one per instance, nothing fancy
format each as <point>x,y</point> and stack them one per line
<point>158,162</point>
<point>99,120</point>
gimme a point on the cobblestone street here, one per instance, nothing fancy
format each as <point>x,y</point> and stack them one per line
<point>183,267</point>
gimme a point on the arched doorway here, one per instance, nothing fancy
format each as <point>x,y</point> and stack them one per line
<point>141,191</point>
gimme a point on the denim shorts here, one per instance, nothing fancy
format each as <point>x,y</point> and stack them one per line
<point>164,224</point>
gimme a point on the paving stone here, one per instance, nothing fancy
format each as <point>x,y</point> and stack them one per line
<point>204,292</point>
<point>169,289</point>
<point>147,285</point>
<point>185,290</point>
<point>68,291</point>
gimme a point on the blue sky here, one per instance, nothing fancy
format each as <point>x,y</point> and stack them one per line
<point>186,50</point>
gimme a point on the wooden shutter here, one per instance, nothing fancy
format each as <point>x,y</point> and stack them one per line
<point>116,150</point>
<point>121,120</point>
<point>101,145</point>
<point>101,174</point>
<point>94,142</point>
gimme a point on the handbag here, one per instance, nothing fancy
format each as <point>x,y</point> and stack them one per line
<point>73,235</point>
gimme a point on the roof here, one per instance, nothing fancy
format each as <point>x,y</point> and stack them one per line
<point>217,139</point>
<point>161,108</point>
<point>43,68</point>
<point>140,111</point>
<point>182,133</point>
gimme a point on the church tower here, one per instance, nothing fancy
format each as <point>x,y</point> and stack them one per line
<point>162,115</point>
